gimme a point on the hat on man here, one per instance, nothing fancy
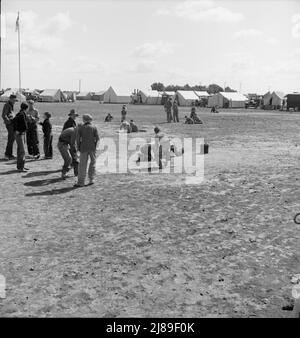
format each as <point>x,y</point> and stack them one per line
<point>87,118</point>
<point>48,115</point>
<point>156,130</point>
<point>12,96</point>
<point>73,113</point>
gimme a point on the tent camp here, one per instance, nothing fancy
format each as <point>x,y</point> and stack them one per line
<point>52,95</point>
<point>5,96</point>
<point>70,95</point>
<point>149,97</point>
<point>116,96</point>
<point>186,97</point>
<point>84,96</point>
<point>98,96</point>
<point>227,100</point>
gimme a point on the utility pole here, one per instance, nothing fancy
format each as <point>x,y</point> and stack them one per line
<point>79,86</point>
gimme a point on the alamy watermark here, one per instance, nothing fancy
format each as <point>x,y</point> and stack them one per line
<point>162,155</point>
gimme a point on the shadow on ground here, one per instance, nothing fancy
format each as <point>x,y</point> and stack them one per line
<point>51,192</point>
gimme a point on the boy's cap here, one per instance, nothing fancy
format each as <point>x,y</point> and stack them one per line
<point>73,113</point>
<point>87,118</point>
<point>30,101</point>
<point>48,115</point>
<point>12,96</point>
<point>156,130</point>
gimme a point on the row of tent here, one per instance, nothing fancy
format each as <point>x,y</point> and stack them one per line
<point>152,97</point>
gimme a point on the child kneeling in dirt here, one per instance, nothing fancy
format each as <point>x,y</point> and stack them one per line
<point>194,116</point>
<point>108,118</point>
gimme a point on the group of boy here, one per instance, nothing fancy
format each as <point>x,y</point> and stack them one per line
<point>169,107</point>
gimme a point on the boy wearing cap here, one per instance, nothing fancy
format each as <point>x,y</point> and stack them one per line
<point>71,120</point>
<point>87,140</point>
<point>123,113</point>
<point>20,127</point>
<point>48,137</point>
<point>7,116</point>
<point>32,134</point>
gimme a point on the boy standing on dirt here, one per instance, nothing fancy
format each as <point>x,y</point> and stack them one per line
<point>175,111</point>
<point>87,140</point>
<point>48,137</point>
<point>123,113</point>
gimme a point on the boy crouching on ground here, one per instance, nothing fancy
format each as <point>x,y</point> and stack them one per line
<point>67,148</point>
<point>87,140</point>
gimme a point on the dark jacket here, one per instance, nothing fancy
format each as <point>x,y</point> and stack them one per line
<point>8,112</point>
<point>68,136</point>
<point>20,122</point>
<point>87,138</point>
<point>69,123</point>
<point>47,127</point>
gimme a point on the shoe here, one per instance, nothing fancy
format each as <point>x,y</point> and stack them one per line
<point>22,170</point>
<point>47,157</point>
<point>78,185</point>
<point>37,157</point>
<point>11,157</point>
<point>26,169</point>
<point>64,176</point>
<point>91,183</point>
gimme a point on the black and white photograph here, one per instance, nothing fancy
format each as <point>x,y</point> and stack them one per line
<point>150,161</point>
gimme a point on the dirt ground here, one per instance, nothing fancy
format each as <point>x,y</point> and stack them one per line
<point>151,245</point>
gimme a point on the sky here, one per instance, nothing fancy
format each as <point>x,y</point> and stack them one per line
<point>251,46</point>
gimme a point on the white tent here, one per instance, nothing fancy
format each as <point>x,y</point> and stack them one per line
<point>84,96</point>
<point>98,96</point>
<point>266,98</point>
<point>276,99</point>
<point>201,94</point>
<point>116,96</point>
<point>227,100</point>
<point>149,96</point>
<point>5,96</point>
<point>186,97</point>
<point>52,95</point>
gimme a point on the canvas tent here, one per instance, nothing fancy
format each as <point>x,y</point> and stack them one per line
<point>70,95</point>
<point>266,99</point>
<point>276,100</point>
<point>52,95</point>
<point>116,96</point>
<point>5,96</point>
<point>293,101</point>
<point>98,96</point>
<point>84,96</point>
<point>227,100</point>
<point>149,97</point>
<point>186,97</point>
<point>202,94</point>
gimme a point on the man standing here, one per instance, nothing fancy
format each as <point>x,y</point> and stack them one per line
<point>20,127</point>
<point>87,140</point>
<point>168,109</point>
<point>67,148</point>
<point>8,115</point>
<point>71,120</point>
<point>32,133</point>
<point>175,111</point>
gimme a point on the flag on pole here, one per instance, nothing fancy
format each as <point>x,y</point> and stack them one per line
<point>17,23</point>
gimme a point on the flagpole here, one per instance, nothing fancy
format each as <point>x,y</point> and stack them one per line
<point>0,44</point>
<point>19,49</point>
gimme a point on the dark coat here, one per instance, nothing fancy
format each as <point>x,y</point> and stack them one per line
<point>69,123</point>
<point>20,122</point>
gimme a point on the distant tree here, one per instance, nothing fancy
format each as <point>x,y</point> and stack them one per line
<point>158,86</point>
<point>200,88</point>
<point>214,88</point>
<point>187,87</point>
<point>230,90</point>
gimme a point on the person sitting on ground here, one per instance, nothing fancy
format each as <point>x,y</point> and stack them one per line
<point>214,110</point>
<point>108,118</point>
<point>133,126</point>
<point>123,113</point>
<point>67,148</point>
<point>48,137</point>
<point>71,120</point>
<point>188,120</point>
<point>20,127</point>
<point>194,116</point>
<point>125,127</point>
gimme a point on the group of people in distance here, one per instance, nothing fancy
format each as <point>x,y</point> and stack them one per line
<point>169,107</point>
<point>24,125</point>
<point>128,127</point>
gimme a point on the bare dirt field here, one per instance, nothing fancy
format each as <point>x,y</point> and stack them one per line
<point>151,245</point>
